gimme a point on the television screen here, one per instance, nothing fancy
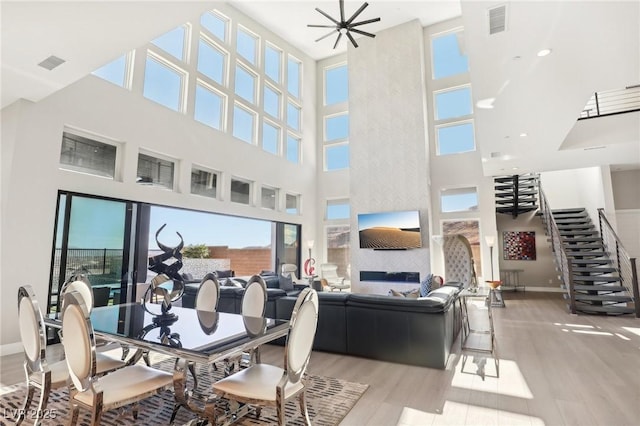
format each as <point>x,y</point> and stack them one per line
<point>390,230</point>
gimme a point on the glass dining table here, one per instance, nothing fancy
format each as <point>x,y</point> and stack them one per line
<point>189,335</point>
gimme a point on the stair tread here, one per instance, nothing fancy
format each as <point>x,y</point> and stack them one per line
<point>595,270</point>
<point>581,239</point>
<point>599,287</point>
<point>590,262</point>
<point>606,309</point>
<point>576,226</point>
<point>573,210</point>
<point>573,220</point>
<point>595,278</point>
<point>510,193</point>
<point>583,246</point>
<point>592,253</point>
<point>603,298</point>
<point>520,200</point>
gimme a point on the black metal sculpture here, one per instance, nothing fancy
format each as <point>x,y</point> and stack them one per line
<point>166,273</point>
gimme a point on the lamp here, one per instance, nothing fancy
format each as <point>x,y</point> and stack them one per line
<point>491,241</point>
<point>309,269</point>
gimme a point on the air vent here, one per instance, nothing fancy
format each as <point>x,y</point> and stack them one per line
<point>496,155</point>
<point>497,19</point>
<point>51,62</point>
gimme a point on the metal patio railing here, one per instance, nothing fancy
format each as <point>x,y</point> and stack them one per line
<point>612,102</point>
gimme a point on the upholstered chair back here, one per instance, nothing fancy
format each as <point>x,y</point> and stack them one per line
<point>254,301</point>
<point>302,330</point>
<point>78,341</point>
<point>329,270</point>
<point>80,284</point>
<point>31,326</point>
<point>458,260</point>
<point>208,294</point>
<point>289,269</point>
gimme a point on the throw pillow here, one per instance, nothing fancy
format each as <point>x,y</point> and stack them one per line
<point>392,292</point>
<point>232,283</point>
<point>425,285</point>
<point>286,282</point>
<point>412,294</point>
<point>227,273</point>
<point>437,282</point>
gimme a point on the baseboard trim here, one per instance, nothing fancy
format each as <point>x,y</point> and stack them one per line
<point>10,349</point>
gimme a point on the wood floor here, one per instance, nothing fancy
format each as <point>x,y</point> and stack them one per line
<point>555,369</point>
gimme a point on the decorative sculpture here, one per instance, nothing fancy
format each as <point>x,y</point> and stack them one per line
<point>166,273</point>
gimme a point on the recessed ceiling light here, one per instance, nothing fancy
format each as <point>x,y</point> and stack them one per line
<point>485,103</point>
<point>514,168</point>
<point>544,52</point>
<point>515,58</point>
<point>523,135</point>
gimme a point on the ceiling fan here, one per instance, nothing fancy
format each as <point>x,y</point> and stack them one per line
<point>345,27</point>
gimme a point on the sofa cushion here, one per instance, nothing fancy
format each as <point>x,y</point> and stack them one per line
<point>226,273</point>
<point>426,304</point>
<point>272,281</point>
<point>230,282</point>
<point>409,294</point>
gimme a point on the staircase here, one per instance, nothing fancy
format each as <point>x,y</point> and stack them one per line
<point>516,194</point>
<point>596,284</point>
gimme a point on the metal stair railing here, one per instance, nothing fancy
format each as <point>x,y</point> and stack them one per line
<point>561,258</point>
<point>626,266</point>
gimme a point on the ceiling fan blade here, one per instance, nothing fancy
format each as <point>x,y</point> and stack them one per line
<point>357,12</point>
<point>357,31</point>
<point>353,41</point>
<point>321,26</point>
<point>328,17</point>
<point>368,21</point>
<point>338,39</point>
<point>341,10</point>
<point>326,35</point>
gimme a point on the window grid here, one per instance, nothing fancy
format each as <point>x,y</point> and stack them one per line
<point>216,24</point>
<point>205,112</point>
<point>244,123</point>
<point>206,46</point>
<point>179,102</point>
<point>204,182</point>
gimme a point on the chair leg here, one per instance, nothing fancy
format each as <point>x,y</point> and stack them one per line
<point>303,408</point>
<point>27,402</point>
<point>281,413</point>
<point>135,410</point>
<point>75,411</point>
<point>145,356</point>
<point>42,404</point>
<point>192,369</point>
<point>176,407</point>
<point>96,416</point>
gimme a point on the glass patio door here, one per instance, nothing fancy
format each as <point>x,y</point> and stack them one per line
<point>93,236</point>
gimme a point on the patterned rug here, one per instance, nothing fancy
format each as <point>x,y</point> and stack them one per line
<point>328,402</point>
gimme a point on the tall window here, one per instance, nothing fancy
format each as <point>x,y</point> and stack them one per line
<point>244,123</point>
<point>204,182</point>
<point>163,83</point>
<point>212,61</point>
<point>293,76</point>
<point>89,156</point>
<point>453,103</point>
<point>247,45</point>
<point>448,57</point>
<point>240,191</point>
<point>335,133</point>
<point>337,209</point>
<point>209,106</point>
<point>273,63</point>
<point>246,83</point>
<point>216,24</point>
<point>271,135</point>
<point>459,199</point>
<point>293,149</point>
<point>116,72</point>
<point>455,138</point>
<point>272,101</point>
<point>155,171</point>
<point>292,204</point>
<point>173,42</point>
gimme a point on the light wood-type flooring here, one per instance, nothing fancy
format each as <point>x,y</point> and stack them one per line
<point>555,369</point>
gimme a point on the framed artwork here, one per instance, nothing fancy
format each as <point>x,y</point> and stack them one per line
<point>518,245</point>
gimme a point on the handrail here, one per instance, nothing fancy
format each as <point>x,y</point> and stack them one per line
<point>625,265</point>
<point>561,258</point>
<point>610,102</point>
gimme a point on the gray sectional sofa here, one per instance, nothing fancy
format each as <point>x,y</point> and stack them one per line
<point>395,329</point>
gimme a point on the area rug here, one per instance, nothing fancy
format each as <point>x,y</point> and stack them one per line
<point>329,400</point>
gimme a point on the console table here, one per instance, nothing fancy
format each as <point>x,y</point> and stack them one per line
<point>511,278</point>
<point>482,294</point>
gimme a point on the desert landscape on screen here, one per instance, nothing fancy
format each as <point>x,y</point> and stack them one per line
<point>389,238</point>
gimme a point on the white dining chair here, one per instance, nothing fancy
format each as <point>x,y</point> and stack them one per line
<point>121,387</point>
<point>268,385</point>
<point>40,373</point>
<point>254,300</point>
<point>208,294</point>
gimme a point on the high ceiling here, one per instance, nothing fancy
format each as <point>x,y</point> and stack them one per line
<point>595,46</point>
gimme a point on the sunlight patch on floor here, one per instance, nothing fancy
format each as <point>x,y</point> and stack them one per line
<point>479,374</point>
<point>596,333</point>
<point>456,413</point>
<point>634,330</point>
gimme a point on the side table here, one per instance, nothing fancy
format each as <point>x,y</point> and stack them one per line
<point>480,293</point>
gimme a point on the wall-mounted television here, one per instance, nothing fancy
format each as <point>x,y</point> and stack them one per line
<point>395,230</point>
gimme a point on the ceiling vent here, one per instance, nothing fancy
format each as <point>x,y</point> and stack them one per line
<point>51,62</point>
<point>497,19</point>
<point>496,155</point>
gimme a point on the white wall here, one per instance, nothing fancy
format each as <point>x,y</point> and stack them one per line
<point>574,188</point>
<point>31,141</point>
<point>626,189</point>
<point>389,149</point>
